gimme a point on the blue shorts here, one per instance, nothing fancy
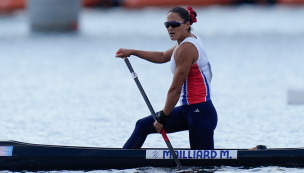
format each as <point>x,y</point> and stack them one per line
<point>200,119</point>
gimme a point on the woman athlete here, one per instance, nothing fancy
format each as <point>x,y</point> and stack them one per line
<point>191,84</point>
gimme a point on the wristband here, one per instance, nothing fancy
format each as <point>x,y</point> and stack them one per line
<point>161,117</point>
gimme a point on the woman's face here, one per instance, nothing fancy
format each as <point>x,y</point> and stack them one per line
<point>178,32</point>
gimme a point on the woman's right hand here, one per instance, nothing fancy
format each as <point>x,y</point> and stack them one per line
<point>121,53</point>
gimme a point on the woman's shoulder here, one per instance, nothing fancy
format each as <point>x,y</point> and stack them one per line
<point>185,45</point>
<point>186,49</point>
<point>196,41</point>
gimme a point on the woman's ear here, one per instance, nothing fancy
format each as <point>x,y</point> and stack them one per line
<point>188,25</point>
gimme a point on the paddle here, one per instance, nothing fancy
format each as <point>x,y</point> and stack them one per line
<point>134,75</point>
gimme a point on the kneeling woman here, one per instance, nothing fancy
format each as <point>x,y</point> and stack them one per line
<point>191,84</point>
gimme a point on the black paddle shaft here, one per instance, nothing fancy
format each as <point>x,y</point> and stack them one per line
<point>134,75</point>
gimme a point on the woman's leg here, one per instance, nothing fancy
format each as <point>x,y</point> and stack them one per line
<point>144,127</point>
<point>202,119</point>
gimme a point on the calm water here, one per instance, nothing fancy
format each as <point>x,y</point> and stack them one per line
<point>68,89</point>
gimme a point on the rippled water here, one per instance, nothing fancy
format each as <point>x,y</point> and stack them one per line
<point>68,89</point>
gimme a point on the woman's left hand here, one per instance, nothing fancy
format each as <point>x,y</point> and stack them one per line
<point>158,126</point>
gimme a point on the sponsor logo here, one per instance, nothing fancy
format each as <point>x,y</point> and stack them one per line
<point>6,150</point>
<point>192,154</point>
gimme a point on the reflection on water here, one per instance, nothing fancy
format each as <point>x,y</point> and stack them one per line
<point>225,169</point>
<point>68,89</point>
<point>163,170</point>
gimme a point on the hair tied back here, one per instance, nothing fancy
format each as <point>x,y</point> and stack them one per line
<point>192,15</point>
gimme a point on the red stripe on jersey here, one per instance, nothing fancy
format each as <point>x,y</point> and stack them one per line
<point>196,88</point>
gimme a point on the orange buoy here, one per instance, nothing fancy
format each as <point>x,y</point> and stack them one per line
<point>91,3</point>
<point>7,6</point>
<point>144,3</point>
<point>291,2</point>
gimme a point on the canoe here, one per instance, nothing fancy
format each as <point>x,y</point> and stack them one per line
<point>16,156</point>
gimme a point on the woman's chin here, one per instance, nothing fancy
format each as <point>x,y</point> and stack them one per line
<point>172,38</point>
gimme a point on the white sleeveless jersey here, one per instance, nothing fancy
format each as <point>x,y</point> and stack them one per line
<point>196,88</point>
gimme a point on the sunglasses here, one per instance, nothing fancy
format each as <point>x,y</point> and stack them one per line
<point>173,24</point>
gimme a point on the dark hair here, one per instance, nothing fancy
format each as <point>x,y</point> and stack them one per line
<point>183,13</point>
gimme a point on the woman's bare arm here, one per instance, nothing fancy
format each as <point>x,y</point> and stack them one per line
<point>185,55</point>
<point>152,56</point>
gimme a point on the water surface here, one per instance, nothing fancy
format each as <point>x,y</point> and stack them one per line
<point>68,89</point>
